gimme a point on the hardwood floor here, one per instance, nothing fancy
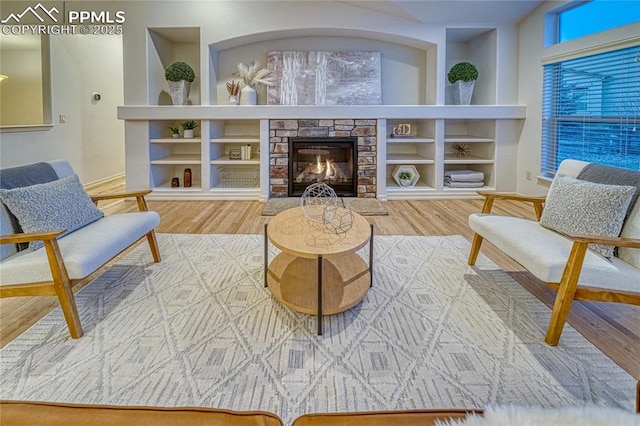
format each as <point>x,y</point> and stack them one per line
<point>613,328</point>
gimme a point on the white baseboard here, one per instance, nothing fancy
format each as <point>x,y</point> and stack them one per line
<point>92,185</point>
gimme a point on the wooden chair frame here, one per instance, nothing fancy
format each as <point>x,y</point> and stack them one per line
<point>61,285</point>
<point>567,289</point>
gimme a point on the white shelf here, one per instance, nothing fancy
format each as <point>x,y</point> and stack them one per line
<point>224,112</point>
<point>408,159</point>
<point>166,187</point>
<point>226,160</point>
<point>467,138</point>
<point>481,188</point>
<point>237,139</point>
<point>178,159</point>
<point>393,187</point>
<point>176,141</point>
<point>468,159</point>
<point>417,139</point>
<point>223,189</point>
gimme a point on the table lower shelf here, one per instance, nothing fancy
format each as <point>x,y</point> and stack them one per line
<point>293,281</point>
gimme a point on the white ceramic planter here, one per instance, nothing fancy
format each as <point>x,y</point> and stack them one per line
<point>248,96</point>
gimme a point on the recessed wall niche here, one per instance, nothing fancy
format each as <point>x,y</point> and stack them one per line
<point>403,68</point>
<point>168,45</point>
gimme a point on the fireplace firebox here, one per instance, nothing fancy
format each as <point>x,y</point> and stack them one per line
<point>328,160</point>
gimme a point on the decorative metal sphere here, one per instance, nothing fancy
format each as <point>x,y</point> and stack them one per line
<point>337,220</point>
<point>315,198</point>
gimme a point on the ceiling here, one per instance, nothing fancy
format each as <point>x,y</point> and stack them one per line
<point>456,12</point>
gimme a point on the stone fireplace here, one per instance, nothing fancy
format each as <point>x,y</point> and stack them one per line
<point>324,146</point>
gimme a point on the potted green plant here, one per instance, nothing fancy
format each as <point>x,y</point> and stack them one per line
<point>179,75</point>
<point>187,128</point>
<point>252,76</point>
<point>175,131</point>
<point>462,77</point>
<point>405,177</point>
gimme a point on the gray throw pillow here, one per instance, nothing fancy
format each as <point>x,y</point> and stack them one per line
<point>60,204</point>
<point>581,207</point>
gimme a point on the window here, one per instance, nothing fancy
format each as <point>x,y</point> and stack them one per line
<point>591,17</point>
<point>590,110</point>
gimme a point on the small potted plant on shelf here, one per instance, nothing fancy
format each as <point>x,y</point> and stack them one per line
<point>187,128</point>
<point>179,75</point>
<point>175,131</point>
<point>252,76</point>
<point>462,77</point>
<point>405,177</point>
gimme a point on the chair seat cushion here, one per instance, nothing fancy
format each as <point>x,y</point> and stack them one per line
<point>544,253</point>
<point>83,251</point>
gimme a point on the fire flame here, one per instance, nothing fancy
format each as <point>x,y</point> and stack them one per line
<point>318,165</point>
<point>327,167</point>
<point>330,172</point>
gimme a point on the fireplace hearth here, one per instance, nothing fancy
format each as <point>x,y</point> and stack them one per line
<point>327,160</point>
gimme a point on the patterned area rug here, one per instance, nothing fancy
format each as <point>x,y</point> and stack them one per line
<point>199,329</point>
<point>363,206</point>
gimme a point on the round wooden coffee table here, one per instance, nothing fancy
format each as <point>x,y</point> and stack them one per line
<point>318,271</point>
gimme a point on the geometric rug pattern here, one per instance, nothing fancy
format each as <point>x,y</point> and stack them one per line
<point>199,329</point>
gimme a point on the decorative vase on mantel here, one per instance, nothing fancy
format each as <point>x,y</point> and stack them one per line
<point>462,92</point>
<point>248,96</point>
<point>179,91</point>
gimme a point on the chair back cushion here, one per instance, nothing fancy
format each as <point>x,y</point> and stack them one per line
<point>60,204</point>
<point>576,206</point>
<point>16,177</point>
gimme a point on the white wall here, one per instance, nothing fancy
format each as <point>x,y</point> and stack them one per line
<point>92,138</point>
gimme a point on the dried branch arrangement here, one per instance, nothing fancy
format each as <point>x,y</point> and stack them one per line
<point>253,74</point>
<point>460,150</point>
<point>233,88</point>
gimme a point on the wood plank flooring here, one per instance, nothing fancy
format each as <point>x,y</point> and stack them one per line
<point>613,328</point>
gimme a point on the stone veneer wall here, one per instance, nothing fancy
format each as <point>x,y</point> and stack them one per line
<point>281,130</point>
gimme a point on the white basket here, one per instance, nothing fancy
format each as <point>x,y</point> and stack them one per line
<point>229,177</point>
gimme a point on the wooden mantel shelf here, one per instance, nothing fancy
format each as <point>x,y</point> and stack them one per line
<point>206,112</point>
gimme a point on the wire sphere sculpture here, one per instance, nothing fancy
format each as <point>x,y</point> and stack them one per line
<point>337,220</point>
<point>315,198</point>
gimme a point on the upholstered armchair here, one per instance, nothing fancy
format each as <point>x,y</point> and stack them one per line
<point>585,243</point>
<point>53,235</point>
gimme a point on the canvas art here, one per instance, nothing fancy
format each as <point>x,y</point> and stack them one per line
<point>325,78</point>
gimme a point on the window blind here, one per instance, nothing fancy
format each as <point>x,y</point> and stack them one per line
<point>591,110</point>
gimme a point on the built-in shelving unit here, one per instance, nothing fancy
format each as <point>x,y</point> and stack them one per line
<point>487,128</point>
<point>415,150</point>
<point>229,139</point>
<point>477,139</point>
<point>169,157</point>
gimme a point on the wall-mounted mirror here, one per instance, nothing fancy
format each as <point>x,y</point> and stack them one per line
<point>25,89</point>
